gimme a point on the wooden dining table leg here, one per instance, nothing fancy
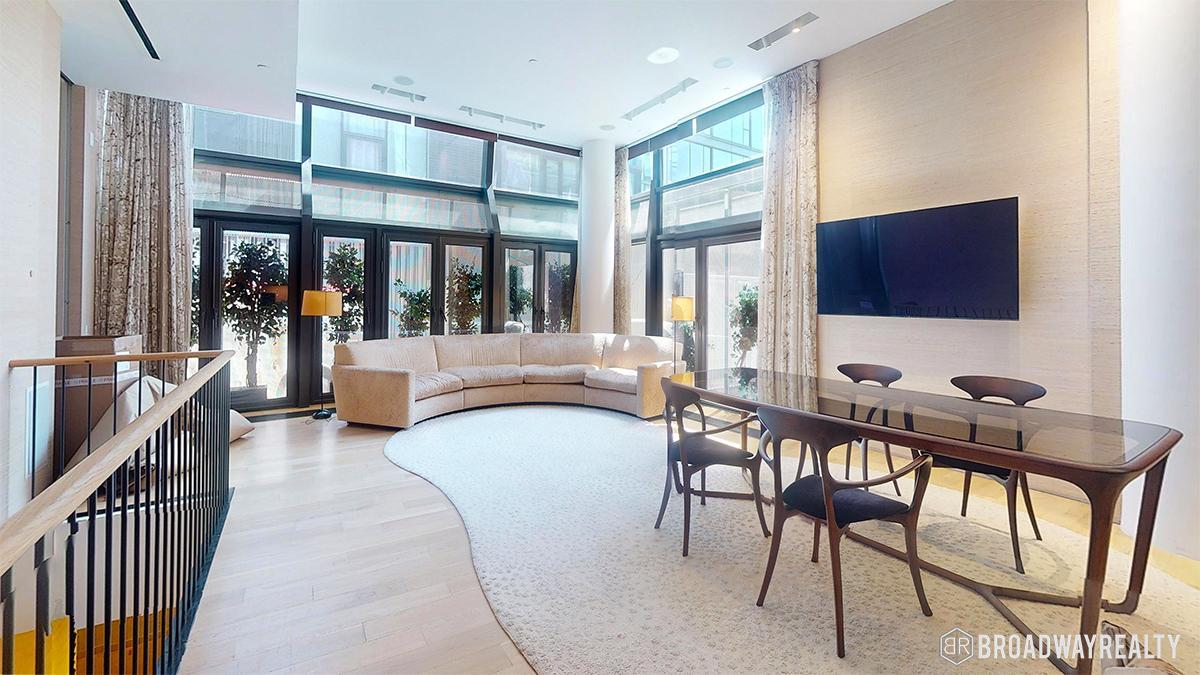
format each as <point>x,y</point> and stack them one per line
<point>1151,491</point>
<point>1104,505</point>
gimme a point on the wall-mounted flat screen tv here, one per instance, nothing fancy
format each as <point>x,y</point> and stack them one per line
<point>950,262</point>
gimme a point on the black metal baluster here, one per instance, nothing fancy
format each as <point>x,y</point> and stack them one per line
<point>137,547</point>
<point>160,472</point>
<point>41,608</point>
<point>91,545</point>
<point>122,481</point>
<point>6,622</point>
<point>172,498</point>
<point>60,459</point>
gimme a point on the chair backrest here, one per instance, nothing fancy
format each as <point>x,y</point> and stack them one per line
<point>677,399</point>
<point>869,372</point>
<point>979,387</point>
<point>819,435</point>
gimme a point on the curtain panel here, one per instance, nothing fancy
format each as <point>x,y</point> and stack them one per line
<point>788,297</point>
<point>621,245</point>
<point>144,224</point>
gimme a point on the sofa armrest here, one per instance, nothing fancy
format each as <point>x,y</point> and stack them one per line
<point>370,395</point>
<point>649,386</point>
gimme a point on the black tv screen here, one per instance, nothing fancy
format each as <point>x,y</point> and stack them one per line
<point>951,262</point>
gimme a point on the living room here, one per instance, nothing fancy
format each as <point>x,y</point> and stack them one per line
<point>354,335</point>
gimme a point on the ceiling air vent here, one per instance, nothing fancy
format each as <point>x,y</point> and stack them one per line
<point>783,31</point>
<point>661,98</point>
<point>501,118</point>
<point>384,89</point>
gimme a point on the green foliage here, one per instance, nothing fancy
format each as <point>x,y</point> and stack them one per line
<point>560,295</point>
<point>464,297</point>
<point>417,306</point>
<point>743,320</point>
<point>252,313</point>
<point>520,298</point>
<point>688,333</point>
<point>344,272</point>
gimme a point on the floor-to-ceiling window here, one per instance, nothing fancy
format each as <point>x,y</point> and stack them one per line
<point>424,227</point>
<point>696,203</point>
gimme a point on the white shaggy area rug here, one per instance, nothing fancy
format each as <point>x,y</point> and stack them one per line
<point>559,503</point>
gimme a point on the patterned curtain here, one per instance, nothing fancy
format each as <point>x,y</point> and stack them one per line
<point>787,305</point>
<point>144,224</point>
<point>621,246</point>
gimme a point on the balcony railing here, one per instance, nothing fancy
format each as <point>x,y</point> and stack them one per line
<point>101,571</point>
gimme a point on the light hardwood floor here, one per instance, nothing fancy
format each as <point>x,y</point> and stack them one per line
<point>333,559</point>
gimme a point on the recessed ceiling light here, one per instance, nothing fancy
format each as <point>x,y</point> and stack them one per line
<point>607,127</point>
<point>403,80</point>
<point>533,60</point>
<point>723,62</point>
<point>262,65</point>
<point>663,55</point>
<point>786,29</point>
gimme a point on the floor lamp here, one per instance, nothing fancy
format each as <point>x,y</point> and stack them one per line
<point>321,303</point>
<point>683,308</point>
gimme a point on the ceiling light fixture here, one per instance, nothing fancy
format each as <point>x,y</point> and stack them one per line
<point>384,89</point>
<point>783,31</point>
<point>663,55</point>
<point>661,98</point>
<point>403,80</point>
<point>607,127</point>
<point>723,62</point>
<point>500,117</point>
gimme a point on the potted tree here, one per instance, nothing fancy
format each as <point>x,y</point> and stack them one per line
<point>743,320</point>
<point>344,272</point>
<point>253,313</point>
<point>464,297</point>
<point>560,293</point>
<point>412,318</point>
<point>520,298</point>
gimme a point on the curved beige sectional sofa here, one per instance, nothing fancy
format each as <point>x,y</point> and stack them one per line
<point>401,381</point>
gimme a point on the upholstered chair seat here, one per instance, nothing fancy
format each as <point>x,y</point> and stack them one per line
<point>703,450</point>
<point>572,373</point>
<point>624,380</point>
<point>487,376</point>
<point>427,385</point>
<point>850,506</point>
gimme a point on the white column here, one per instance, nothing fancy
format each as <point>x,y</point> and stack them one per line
<point>1160,250</point>
<point>596,237</point>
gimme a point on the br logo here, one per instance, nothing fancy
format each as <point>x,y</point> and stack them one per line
<point>957,646</point>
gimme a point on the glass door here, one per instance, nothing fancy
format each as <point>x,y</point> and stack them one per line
<point>679,279</point>
<point>464,287</point>
<point>520,285</point>
<point>343,267</point>
<point>409,287</point>
<point>558,289</point>
<point>258,306</point>
<point>731,279</point>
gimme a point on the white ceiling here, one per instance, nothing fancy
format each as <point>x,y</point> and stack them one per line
<point>591,55</point>
<point>209,51</point>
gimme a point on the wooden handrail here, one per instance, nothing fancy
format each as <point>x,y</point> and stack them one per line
<point>58,501</point>
<point>112,358</point>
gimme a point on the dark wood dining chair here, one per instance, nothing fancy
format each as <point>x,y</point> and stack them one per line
<point>693,452</point>
<point>1017,392</point>
<point>882,376</point>
<point>836,503</point>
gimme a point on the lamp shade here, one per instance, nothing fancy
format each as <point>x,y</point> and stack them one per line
<point>683,308</point>
<point>321,303</point>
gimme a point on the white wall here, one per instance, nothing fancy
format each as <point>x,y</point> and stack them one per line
<point>1160,248</point>
<point>596,236</point>
<point>29,112</point>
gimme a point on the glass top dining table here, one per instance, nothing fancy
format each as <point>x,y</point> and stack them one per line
<point>1100,455</point>
<point>946,422</point>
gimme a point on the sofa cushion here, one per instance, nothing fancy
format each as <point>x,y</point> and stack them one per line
<point>487,376</point>
<point>569,374</point>
<point>631,351</point>
<point>614,379</point>
<point>426,385</point>
<point>413,353</point>
<point>551,349</point>
<point>493,349</point>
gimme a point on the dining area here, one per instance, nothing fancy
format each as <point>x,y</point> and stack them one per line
<point>800,434</point>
